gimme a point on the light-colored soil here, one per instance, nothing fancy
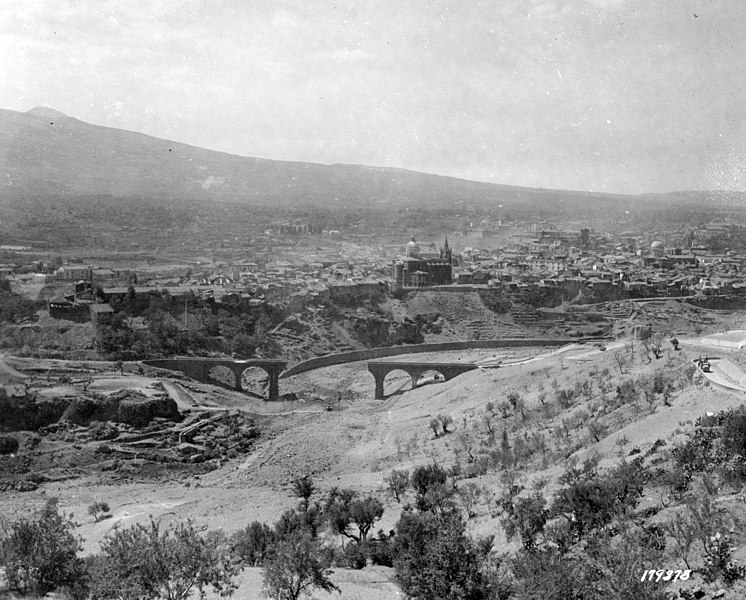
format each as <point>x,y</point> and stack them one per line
<point>359,441</point>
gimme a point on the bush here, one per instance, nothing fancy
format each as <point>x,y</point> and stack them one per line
<point>353,556</point>
<point>8,444</point>
<point>734,431</point>
<point>430,482</point>
<point>253,544</point>
<point>40,555</point>
<point>147,563</point>
<point>98,510</point>
<point>719,565</point>
<point>344,509</point>
<point>303,488</point>
<point>381,549</point>
<point>591,501</point>
<point>525,518</point>
<point>434,558</point>
<point>296,566</point>
<point>397,483</point>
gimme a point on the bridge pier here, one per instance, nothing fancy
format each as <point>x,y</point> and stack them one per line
<point>237,373</point>
<point>274,384</point>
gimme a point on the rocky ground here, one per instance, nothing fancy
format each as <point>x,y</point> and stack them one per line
<point>224,459</point>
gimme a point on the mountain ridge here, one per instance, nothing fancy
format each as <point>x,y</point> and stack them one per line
<point>71,157</point>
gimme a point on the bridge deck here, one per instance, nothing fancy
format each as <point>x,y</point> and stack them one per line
<point>419,365</point>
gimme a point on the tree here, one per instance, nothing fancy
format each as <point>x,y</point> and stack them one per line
<point>469,494</point>
<point>435,426</point>
<point>303,488</point>
<point>8,444</point>
<point>145,563</point>
<point>506,454</point>
<point>596,429</point>
<point>344,509</point>
<point>434,558</point>
<point>566,397</point>
<point>98,510</point>
<point>253,544</point>
<point>430,482</point>
<point>517,403</point>
<point>397,483</point>
<point>590,500</point>
<point>296,567</point>
<point>525,517</point>
<point>445,421</point>
<point>622,362</point>
<point>40,555</point>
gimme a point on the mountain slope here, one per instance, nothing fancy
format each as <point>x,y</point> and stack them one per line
<point>44,152</point>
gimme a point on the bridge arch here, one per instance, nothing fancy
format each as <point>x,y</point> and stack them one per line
<point>254,380</point>
<point>394,383</point>
<point>380,369</point>
<point>430,376</point>
<point>223,376</point>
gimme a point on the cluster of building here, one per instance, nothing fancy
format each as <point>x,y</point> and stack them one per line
<point>556,262</point>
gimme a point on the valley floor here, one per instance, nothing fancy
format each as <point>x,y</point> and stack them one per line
<point>359,441</point>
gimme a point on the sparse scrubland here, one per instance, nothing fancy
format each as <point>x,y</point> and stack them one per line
<point>578,474</point>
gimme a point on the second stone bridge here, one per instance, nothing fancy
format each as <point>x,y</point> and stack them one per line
<point>381,368</point>
<point>201,369</point>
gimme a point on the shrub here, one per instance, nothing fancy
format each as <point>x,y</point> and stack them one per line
<point>525,518</point>
<point>434,558</point>
<point>445,421</point>
<point>40,555</point>
<point>303,488</point>
<point>147,563</point>
<point>397,483</point>
<point>252,545</point>
<point>430,482</point>
<point>8,444</point>
<point>344,509</point>
<point>469,494</point>
<point>734,431</point>
<point>590,500</point>
<point>381,549</point>
<point>566,398</point>
<point>353,556</point>
<point>719,564</point>
<point>296,566</point>
<point>98,510</point>
<point>701,452</point>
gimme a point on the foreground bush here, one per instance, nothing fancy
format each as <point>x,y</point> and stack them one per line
<point>8,444</point>
<point>40,555</point>
<point>145,563</point>
<point>296,566</point>
<point>435,558</point>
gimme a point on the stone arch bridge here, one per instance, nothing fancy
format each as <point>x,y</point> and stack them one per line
<point>199,369</point>
<point>381,368</point>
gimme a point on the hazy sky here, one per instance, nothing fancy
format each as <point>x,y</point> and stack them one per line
<point>606,95</point>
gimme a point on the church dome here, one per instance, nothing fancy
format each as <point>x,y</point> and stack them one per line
<point>413,248</point>
<point>656,244</point>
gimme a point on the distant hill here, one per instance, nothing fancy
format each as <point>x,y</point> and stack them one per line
<point>46,153</point>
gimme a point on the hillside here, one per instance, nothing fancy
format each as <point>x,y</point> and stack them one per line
<point>44,152</point>
<point>357,444</point>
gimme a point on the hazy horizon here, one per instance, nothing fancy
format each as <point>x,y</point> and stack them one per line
<point>617,96</point>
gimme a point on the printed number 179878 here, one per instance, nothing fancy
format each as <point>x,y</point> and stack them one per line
<point>663,575</point>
